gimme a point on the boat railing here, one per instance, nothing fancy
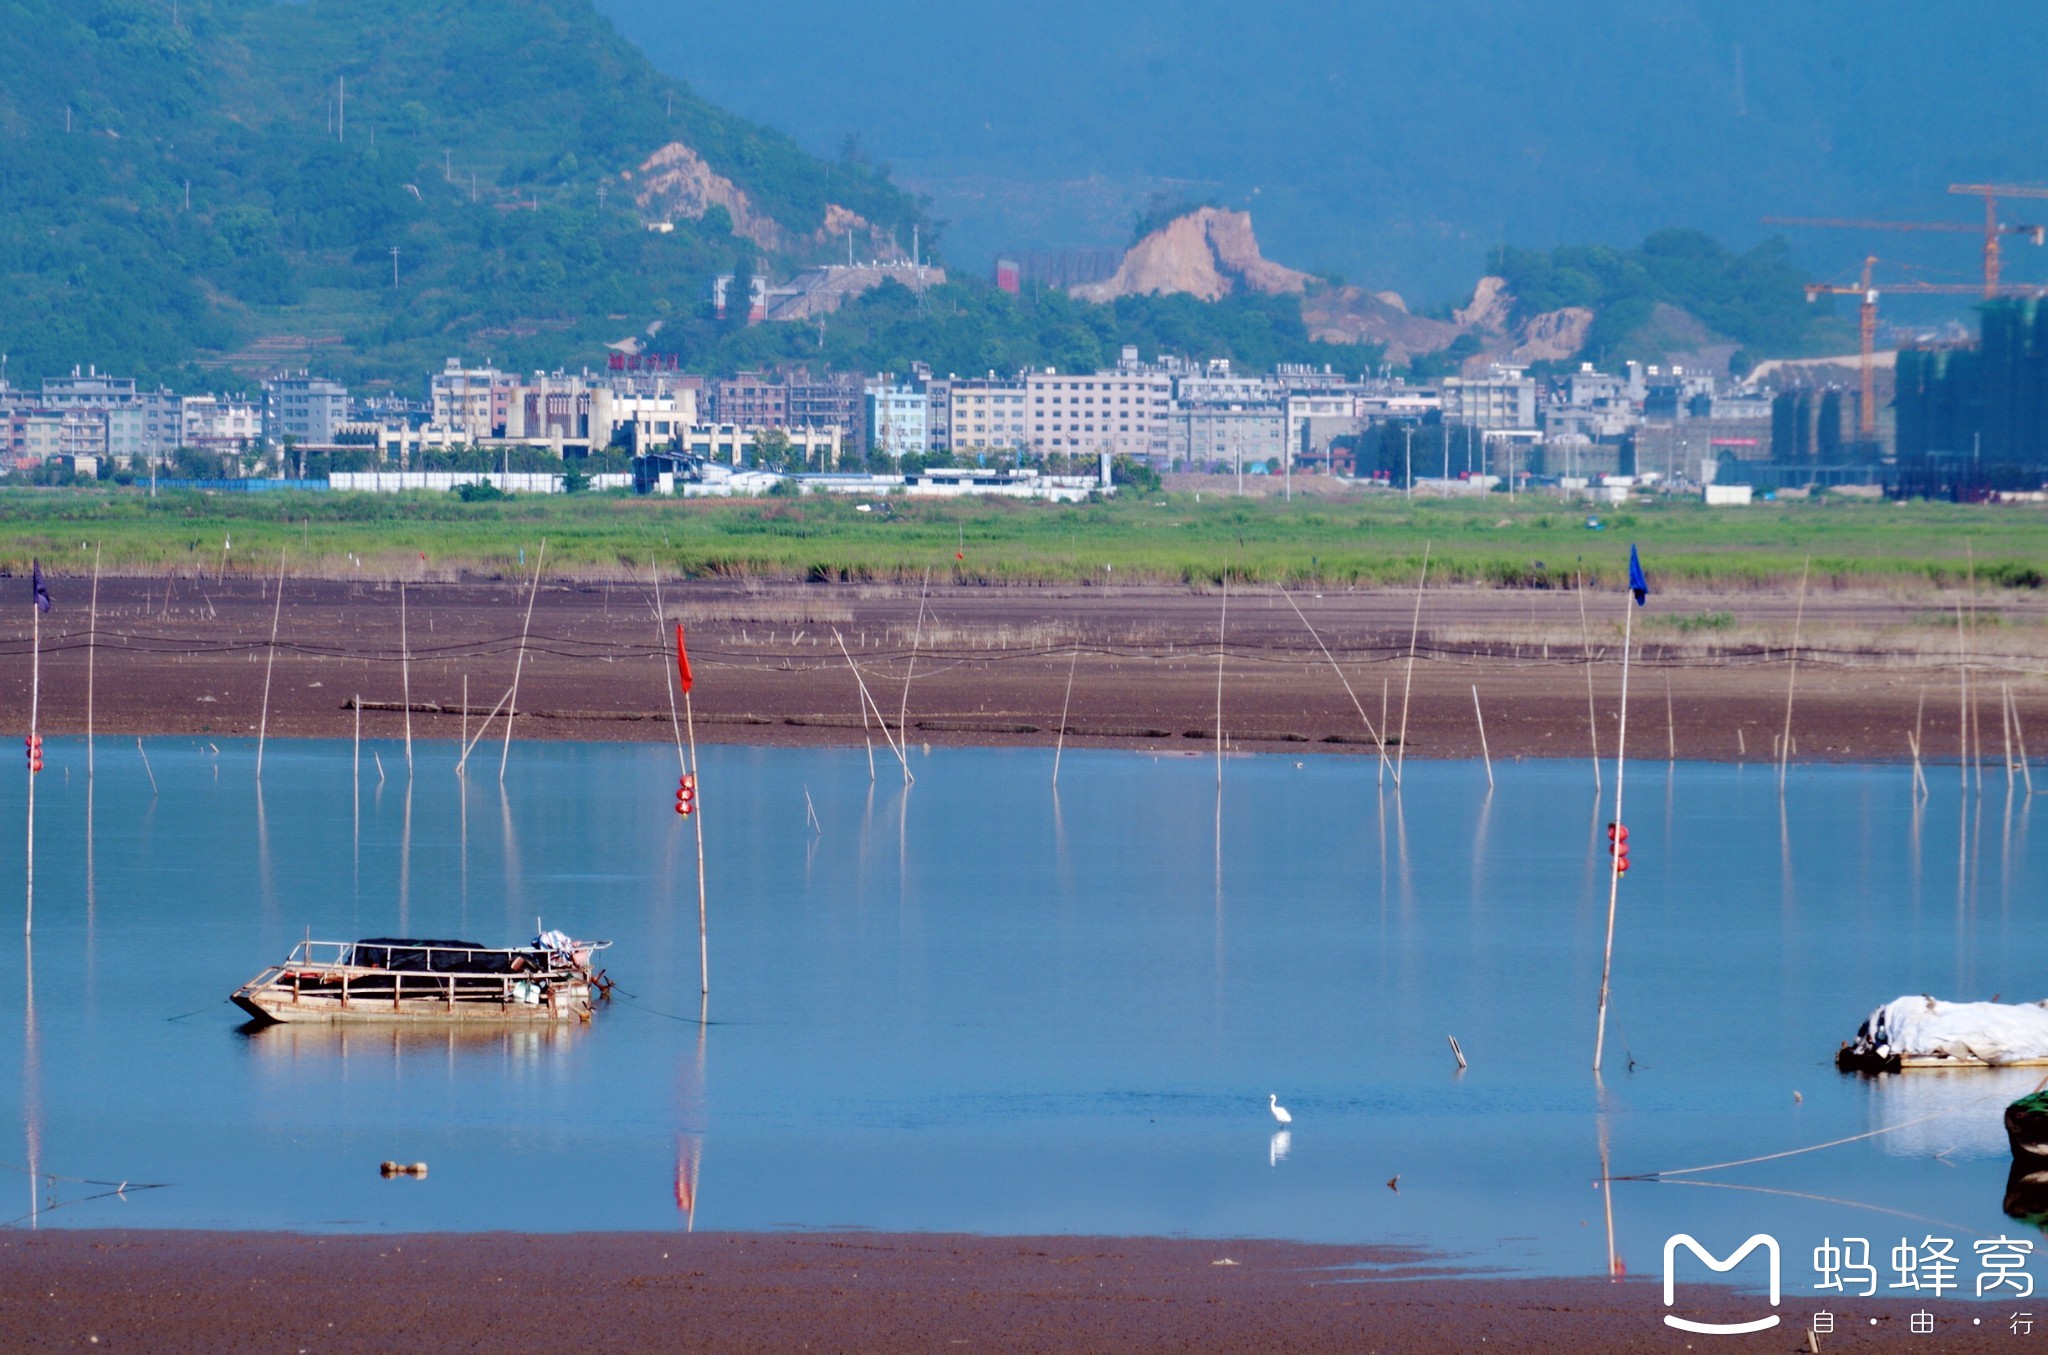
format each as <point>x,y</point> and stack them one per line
<point>331,971</point>
<point>527,960</point>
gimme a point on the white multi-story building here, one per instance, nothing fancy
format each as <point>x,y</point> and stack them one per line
<point>474,402</point>
<point>983,414</point>
<point>898,419</point>
<point>1232,435</point>
<point>822,448</point>
<point>1505,398</point>
<point>217,424</point>
<point>1123,411</point>
<point>138,422</point>
<point>307,409</point>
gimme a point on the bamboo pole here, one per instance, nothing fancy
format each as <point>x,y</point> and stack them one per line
<point>668,670</point>
<point>1963,698</point>
<point>1408,682</point>
<point>2020,735</point>
<point>35,692</point>
<point>867,697</point>
<point>1919,718</point>
<point>1614,867</point>
<point>276,615</point>
<point>1792,675</point>
<point>519,665</point>
<point>465,710</point>
<point>2005,727</point>
<point>1480,715</point>
<point>1386,687</point>
<point>357,702</point>
<point>1670,721</point>
<point>916,639</point>
<point>92,641</point>
<point>703,908</point>
<point>1976,724</point>
<point>1222,619</point>
<point>1066,704</point>
<point>1586,650</point>
<point>145,764</point>
<point>470,747</point>
<point>1377,737</point>
<point>405,668</point>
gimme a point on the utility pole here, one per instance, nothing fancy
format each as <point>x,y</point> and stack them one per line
<point>1408,457</point>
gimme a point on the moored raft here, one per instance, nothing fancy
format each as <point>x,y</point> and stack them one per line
<point>1925,1032</point>
<point>387,978</point>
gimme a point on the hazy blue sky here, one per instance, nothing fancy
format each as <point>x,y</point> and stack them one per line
<point>1396,142</point>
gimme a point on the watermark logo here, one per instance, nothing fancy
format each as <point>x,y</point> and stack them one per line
<point>1719,1266</point>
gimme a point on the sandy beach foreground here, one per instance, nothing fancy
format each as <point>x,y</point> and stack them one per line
<point>172,1293</point>
<point>966,665</point>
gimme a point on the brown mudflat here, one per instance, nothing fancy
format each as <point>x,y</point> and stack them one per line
<point>172,1293</point>
<point>991,666</point>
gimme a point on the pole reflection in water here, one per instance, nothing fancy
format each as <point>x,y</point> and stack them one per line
<point>31,1082</point>
<point>1615,1269</point>
<point>405,866</point>
<point>92,897</point>
<point>266,877</point>
<point>694,1115</point>
<point>515,898</point>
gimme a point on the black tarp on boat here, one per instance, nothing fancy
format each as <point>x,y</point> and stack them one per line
<point>415,955</point>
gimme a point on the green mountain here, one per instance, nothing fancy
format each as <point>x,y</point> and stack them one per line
<point>223,183</point>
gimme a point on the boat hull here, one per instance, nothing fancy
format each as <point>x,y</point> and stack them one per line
<point>280,1008</point>
<point>294,996</point>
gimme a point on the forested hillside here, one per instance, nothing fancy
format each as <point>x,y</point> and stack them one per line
<point>215,180</point>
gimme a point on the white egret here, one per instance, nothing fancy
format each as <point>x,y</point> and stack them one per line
<point>1279,1111</point>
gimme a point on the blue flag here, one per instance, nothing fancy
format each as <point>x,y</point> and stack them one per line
<point>1637,584</point>
<point>42,594</point>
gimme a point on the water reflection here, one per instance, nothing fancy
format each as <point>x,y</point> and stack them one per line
<point>1946,1112</point>
<point>405,1045</point>
<point>990,976</point>
<point>31,1082</point>
<point>1277,1150</point>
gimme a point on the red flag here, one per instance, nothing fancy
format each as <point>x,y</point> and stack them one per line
<point>682,661</point>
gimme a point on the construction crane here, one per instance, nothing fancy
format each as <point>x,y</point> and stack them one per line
<point>1866,289</point>
<point>1991,193</point>
<point>1993,228</point>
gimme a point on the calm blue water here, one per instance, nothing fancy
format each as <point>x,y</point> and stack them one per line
<point>977,1006</point>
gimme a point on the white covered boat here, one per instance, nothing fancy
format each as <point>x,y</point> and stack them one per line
<point>388,978</point>
<point>1925,1032</point>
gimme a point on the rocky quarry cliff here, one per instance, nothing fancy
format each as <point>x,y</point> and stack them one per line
<point>1212,253</point>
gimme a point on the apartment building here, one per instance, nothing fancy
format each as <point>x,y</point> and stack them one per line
<point>1504,398</point>
<point>305,408</point>
<point>138,422</point>
<point>898,419</point>
<point>473,402</point>
<point>982,414</point>
<point>750,400</point>
<point>215,423</point>
<point>1122,410</point>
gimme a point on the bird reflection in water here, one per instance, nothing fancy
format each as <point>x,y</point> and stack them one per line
<point>1277,1150</point>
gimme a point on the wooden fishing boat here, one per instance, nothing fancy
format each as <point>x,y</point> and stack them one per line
<point>388,978</point>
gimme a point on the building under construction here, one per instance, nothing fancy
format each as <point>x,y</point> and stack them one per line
<point>1973,420</point>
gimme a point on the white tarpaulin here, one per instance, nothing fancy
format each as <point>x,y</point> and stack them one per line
<point>1989,1032</point>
